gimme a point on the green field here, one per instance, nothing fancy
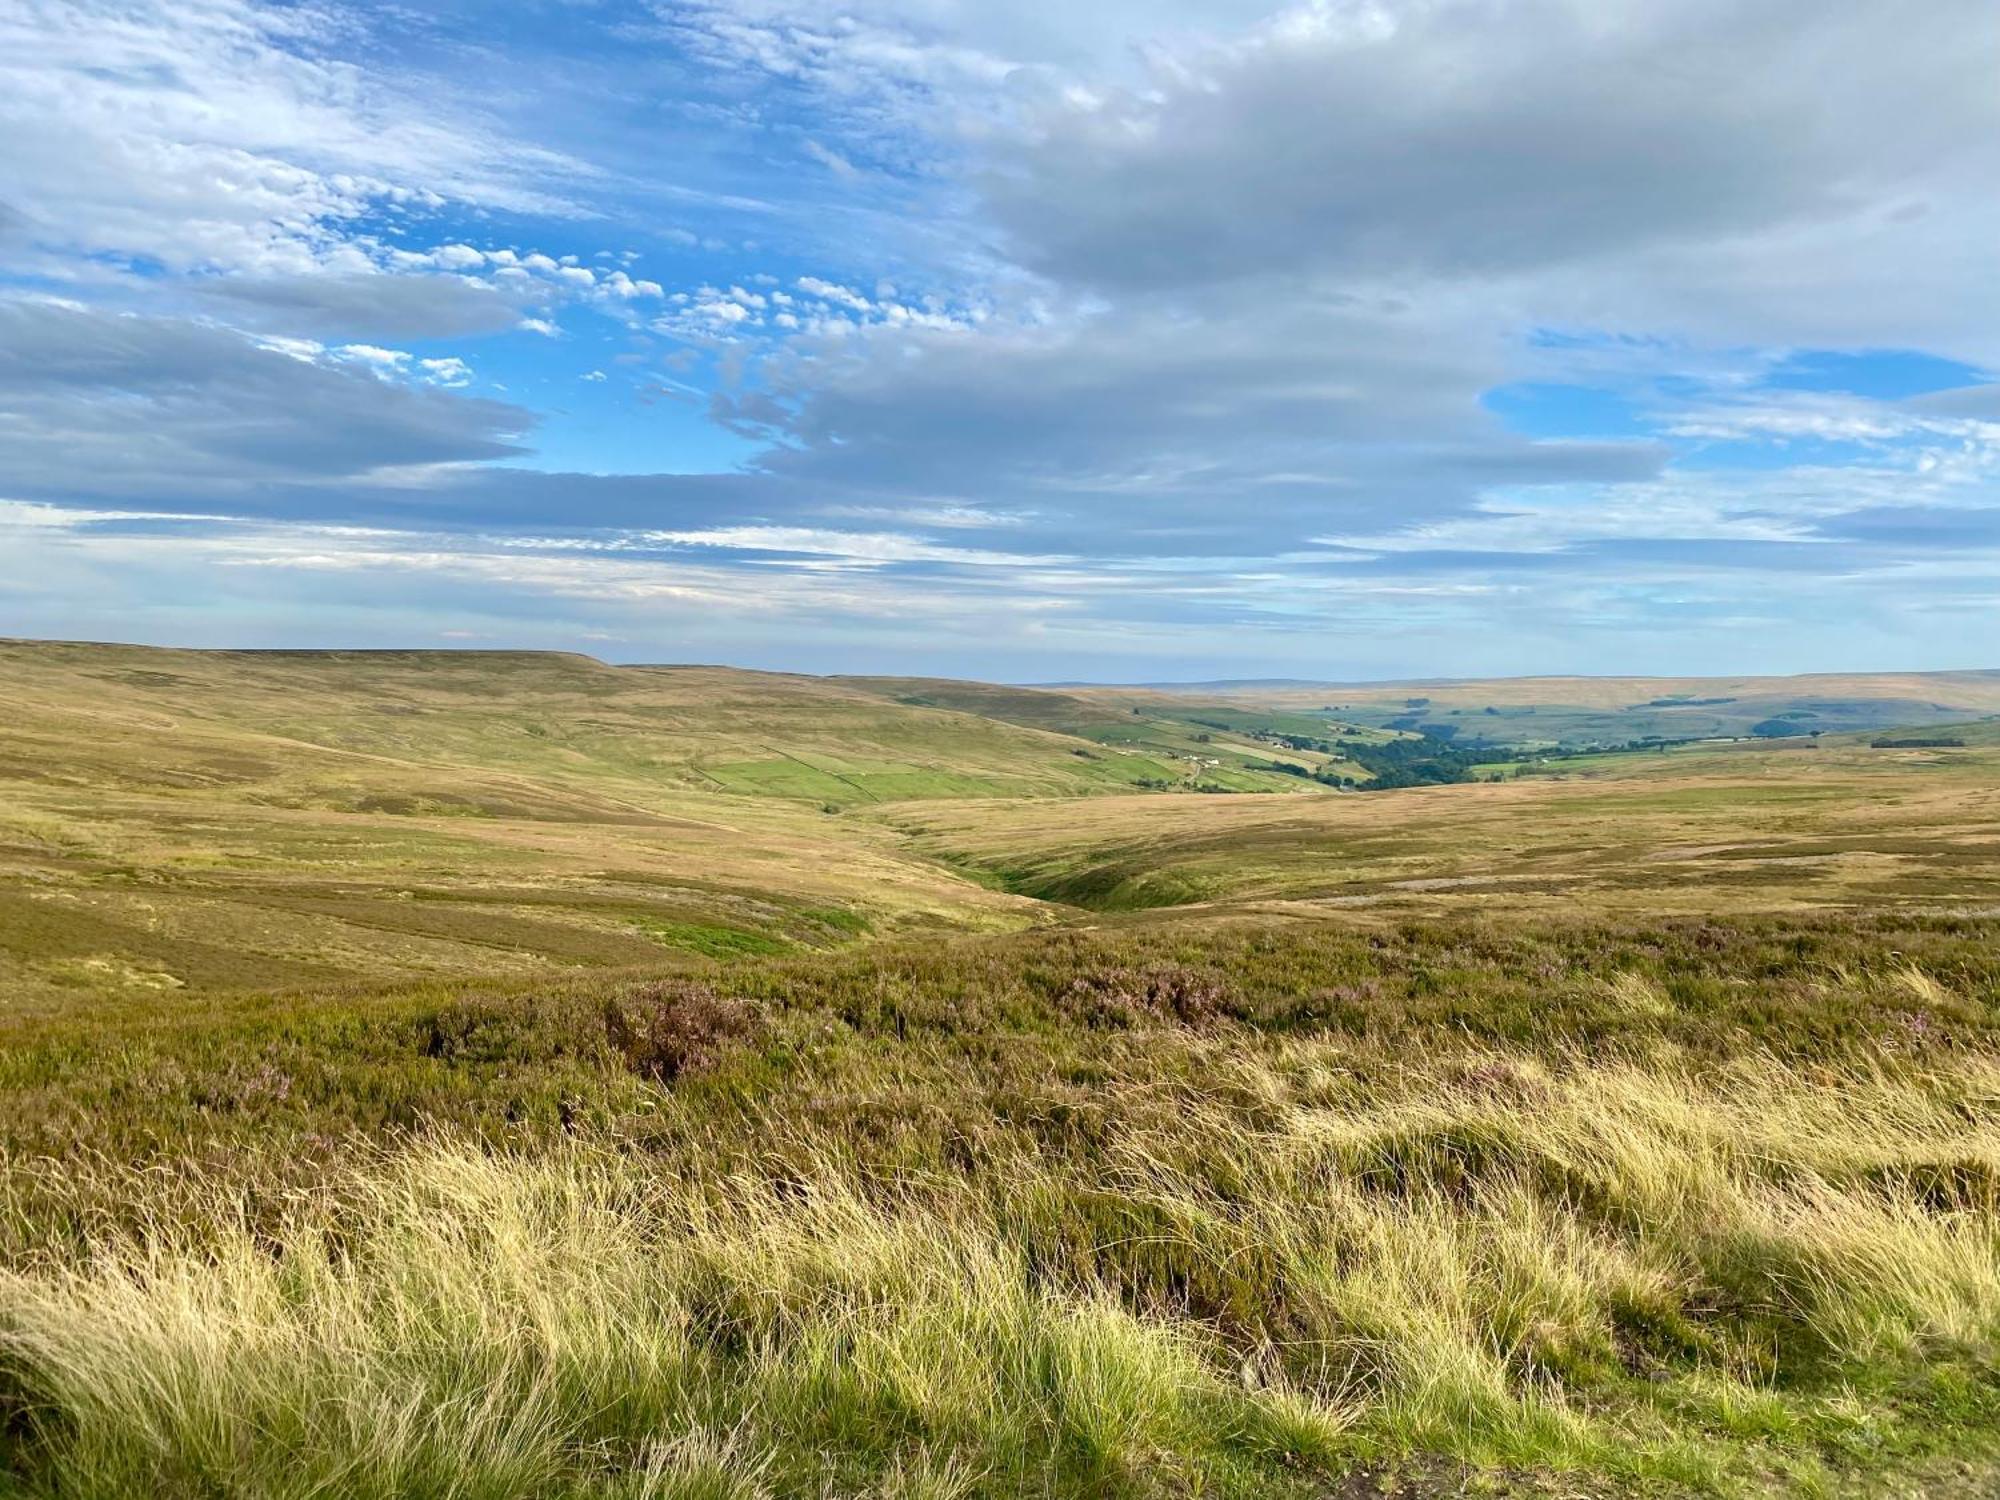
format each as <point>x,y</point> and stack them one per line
<point>486,1074</point>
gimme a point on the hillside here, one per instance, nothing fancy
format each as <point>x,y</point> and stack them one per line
<point>175,819</point>
<point>1727,827</point>
<point>648,733</point>
<point>502,1074</point>
<point>1197,743</point>
<point>182,820</point>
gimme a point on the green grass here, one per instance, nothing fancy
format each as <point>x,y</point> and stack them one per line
<point>710,941</point>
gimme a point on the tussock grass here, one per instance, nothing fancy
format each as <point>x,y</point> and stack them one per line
<point>1720,1278</point>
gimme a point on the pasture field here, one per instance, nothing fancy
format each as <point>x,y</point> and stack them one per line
<point>431,1075</point>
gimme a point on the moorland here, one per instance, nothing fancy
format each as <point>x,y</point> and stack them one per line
<point>506,1074</point>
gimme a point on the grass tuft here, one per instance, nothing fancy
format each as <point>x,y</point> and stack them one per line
<point>1654,1275</point>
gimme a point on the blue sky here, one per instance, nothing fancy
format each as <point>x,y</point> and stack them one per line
<point>1357,338</point>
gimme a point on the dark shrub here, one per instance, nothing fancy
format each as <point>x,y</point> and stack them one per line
<point>1122,997</point>
<point>673,1028</point>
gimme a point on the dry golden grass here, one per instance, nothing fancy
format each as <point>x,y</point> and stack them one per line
<point>1713,1281</point>
<point>200,821</point>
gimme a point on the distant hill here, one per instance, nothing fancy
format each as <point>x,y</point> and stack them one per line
<point>1983,683</point>
<point>634,732</point>
<point>1616,710</point>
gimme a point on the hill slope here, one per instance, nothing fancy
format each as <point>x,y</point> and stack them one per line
<point>1189,743</point>
<point>644,732</point>
<point>176,819</point>
<point>1752,826</point>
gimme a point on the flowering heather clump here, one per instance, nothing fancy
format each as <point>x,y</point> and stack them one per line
<point>1171,993</point>
<point>673,1028</point>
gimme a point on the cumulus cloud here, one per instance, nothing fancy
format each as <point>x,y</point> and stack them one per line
<point>829,291</point>
<point>450,371</point>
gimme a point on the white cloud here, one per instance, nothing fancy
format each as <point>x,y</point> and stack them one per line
<point>858,548</point>
<point>450,371</point>
<point>618,284</point>
<point>41,517</point>
<point>374,356</point>
<point>832,160</point>
<point>224,134</point>
<point>830,291</point>
<point>300,349</point>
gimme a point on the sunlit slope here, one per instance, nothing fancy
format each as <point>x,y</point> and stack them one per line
<point>1704,828</point>
<point>186,820</point>
<point>176,821</point>
<point>1181,741</point>
<point>642,732</point>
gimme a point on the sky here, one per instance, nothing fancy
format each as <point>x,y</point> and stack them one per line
<point>1038,341</point>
